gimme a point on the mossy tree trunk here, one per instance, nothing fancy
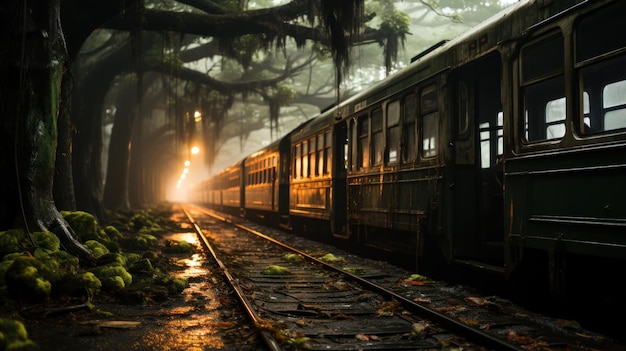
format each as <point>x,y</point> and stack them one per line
<point>33,63</point>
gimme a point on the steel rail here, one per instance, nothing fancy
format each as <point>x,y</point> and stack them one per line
<point>267,337</point>
<point>467,331</point>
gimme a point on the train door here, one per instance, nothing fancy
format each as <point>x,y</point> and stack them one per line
<point>477,131</point>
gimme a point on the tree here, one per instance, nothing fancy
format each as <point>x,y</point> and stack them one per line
<point>33,65</point>
<point>36,63</point>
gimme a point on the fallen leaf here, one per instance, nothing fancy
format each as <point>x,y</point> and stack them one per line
<point>479,301</point>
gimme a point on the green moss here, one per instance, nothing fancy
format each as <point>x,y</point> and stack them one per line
<point>176,246</point>
<point>112,233</point>
<point>78,284</point>
<point>13,336</point>
<point>275,270</point>
<point>113,283</point>
<point>142,266</point>
<point>113,258</point>
<point>66,261</point>
<point>97,248</point>
<point>113,276</point>
<point>84,224</point>
<point>292,258</point>
<point>25,281</point>
<point>330,258</point>
<point>140,241</point>
<point>46,240</point>
<point>176,286</point>
<point>10,241</point>
<point>131,257</point>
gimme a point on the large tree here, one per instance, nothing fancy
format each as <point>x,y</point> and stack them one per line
<point>33,64</point>
<point>38,51</point>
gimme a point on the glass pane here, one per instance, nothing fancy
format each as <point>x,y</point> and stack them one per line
<point>555,110</point>
<point>409,139</point>
<point>615,119</point>
<point>393,113</point>
<point>614,94</point>
<point>393,140</point>
<point>430,131</point>
<point>544,105</point>
<point>428,100</point>
<point>378,146</point>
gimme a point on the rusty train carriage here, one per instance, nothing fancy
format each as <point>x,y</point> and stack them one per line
<point>502,149</point>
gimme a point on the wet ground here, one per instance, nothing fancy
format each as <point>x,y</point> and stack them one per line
<point>203,317</point>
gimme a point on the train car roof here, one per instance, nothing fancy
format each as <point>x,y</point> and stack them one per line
<point>499,28</point>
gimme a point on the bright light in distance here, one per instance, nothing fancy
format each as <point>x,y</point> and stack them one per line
<point>195,150</point>
<point>186,170</point>
<point>187,163</point>
<point>197,116</point>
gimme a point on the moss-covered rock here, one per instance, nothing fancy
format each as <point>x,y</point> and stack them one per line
<point>96,248</point>
<point>178,247</point>
<point>10,241</point>
<point>14,337</point>
<point>141,241</point>
<point>113,277</point>
<point>25,281</point>
<point>46,240</point>
<point>79,284</point>
<point>84,224</point>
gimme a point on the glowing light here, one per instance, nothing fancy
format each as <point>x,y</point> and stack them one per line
<point>197,116</point>
<point>187,163</point>
<point>195,150</point>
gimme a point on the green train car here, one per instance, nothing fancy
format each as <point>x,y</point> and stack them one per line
<point>503,150</point>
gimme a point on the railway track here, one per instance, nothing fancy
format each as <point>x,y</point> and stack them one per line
<point>301,300</point>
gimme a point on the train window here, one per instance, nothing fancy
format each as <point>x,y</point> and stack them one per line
<point>555,118</point>
<point>320,154</point>
<point>312,151</point>
<point>363,146</point>
<point>305,159</point>
<point>429,134</point>
<point>615,103</point>
<point>297,162</point>
<point>429,121</point>
<point>378,144</point>
<point>393,131</point>
<point>543,89</point>
<point>485,150</point>
<point>409,132</point>
<point>500,133</point>
<point>329,155</point>
<point>593,33</point>
<point>604,96</point>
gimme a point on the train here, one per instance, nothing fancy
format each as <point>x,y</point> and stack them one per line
<point>502,150</point>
